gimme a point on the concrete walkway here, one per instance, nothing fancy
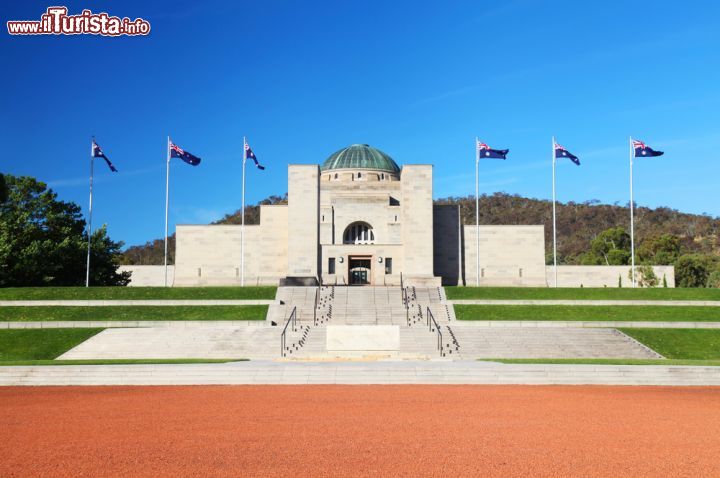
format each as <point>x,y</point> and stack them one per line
<point>404,372</point>
<point>676,303</point>
<point>106,324</point>
<point>139,302</point>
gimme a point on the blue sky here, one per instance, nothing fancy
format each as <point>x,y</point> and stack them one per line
<point>417,79</point>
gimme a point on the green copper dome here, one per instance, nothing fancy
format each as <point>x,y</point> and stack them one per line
<point>360,156</point>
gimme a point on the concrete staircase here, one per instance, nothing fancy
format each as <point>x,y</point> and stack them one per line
<point>345,305</point>
<point>340,305</point>
<point>489,342</point>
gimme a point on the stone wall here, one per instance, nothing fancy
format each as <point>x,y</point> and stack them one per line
<point>603,276</point>
<point>303,220</point>
<point>210,255</point>
<point>417,221</point>
<point>509,256</point>
<point>148,276</point>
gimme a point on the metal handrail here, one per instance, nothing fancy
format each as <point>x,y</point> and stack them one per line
<point>405,300</point>
<point>315,306</point>
<point>430,321</point>
<point>283,336</point>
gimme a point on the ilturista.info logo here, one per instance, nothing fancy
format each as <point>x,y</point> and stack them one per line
<point>56,21</point>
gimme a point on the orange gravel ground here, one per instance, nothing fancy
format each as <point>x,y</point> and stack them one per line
<point>361,430</point>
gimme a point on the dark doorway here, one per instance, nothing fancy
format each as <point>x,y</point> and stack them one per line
<point>359,270</point>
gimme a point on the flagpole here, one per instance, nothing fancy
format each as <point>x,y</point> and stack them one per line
<point>632,217</point>
<point>89,233</point>
<point>242,219</point>
<point>477,216</point>
<point>167,197</point>
<point>555,271</point>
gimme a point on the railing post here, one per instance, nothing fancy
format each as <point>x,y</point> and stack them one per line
<point>315,305</point>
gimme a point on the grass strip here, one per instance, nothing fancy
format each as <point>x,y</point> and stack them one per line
<point>687,344</point>
<point>586,293</point>
<point>15,363</point>
<point>40,344</point>
<point>634,313</point>
<point>133,313</point>
<point>699,363</point>
<point>138,293</point>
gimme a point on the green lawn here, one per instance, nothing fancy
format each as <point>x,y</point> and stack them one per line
<point>691,344</point>
<point>11,363</point>
<point>714,363</point>
<point>589,313</point>
<point>546,293</point>
<point>40,344</point>
<point>144,312</point>
<point>136,293</point>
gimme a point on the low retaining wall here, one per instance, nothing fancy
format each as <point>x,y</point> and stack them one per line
<point>149,276</point>
<point>602,276</point>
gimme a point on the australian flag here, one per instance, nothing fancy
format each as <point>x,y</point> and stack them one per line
<point>643,150</point>
<point>177,152</point>
<point>98,153</point>
<point>561,152</point>
<point>485,151</point>
<point>250,155</point>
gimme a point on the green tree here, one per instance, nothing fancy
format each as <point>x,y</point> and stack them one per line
<point>611,247</point>
<point>692,270</point>
<point>659,250</point>
<point>3,189</point>
<point>43,241</point>
<point>714,279</point>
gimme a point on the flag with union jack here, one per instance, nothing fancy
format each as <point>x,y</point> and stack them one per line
<point>250,155</point>
<point>642,150</point>
<point>98,153</point>
<point>561,152</point>
<point>177,152</point>
<point>485,151</point>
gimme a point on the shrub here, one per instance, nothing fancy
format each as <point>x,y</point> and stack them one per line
<point>692,270</point>
<point>644,276</point>
<point>714,280</point>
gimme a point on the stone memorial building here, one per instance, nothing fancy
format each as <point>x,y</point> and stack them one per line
<point>359,219</point>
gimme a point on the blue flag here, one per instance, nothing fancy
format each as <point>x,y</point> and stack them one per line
<point>643,150</point>
<point>250,155</point>
<point>98,153</point>
<point>177,152</point>
<point>561,152</point>
<point>485,151</point>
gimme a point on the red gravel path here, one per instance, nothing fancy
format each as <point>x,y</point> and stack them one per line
<point>360,431</point>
